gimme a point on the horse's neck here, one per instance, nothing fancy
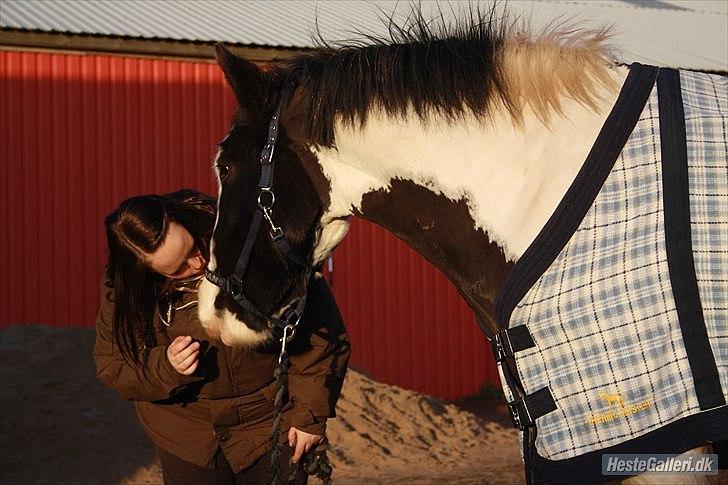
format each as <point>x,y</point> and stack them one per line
<point>488,181</point>
<point>443,231</point>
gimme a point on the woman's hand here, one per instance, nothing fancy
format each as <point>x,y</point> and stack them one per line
<point>182,354</point>
<point>302,441</point>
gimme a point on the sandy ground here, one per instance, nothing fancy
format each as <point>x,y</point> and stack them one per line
<point>59,424</point>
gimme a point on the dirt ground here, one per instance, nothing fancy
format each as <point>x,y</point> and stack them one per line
<point>59,424</point>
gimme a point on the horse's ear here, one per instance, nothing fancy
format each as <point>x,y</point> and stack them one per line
<point>244,77</point>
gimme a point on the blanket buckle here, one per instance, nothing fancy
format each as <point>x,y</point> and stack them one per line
<point>520,417</point>
<point>502,347</point>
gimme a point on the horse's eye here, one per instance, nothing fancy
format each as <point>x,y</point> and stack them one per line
<point>222,170</point>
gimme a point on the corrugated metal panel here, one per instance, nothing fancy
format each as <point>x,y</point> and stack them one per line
<point>81,133</point>
<point>679,33</point>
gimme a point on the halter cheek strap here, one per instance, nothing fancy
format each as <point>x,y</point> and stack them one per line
<point>233,284</point>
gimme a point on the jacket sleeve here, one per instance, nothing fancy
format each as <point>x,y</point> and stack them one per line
<point>319,357</point>
<point>161,380</point>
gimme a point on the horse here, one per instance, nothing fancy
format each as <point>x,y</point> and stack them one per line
<point>501,156</point>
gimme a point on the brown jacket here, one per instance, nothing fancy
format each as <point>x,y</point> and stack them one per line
<point>228,402</point>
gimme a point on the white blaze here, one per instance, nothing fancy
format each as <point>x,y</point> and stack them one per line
<point>222,324</point>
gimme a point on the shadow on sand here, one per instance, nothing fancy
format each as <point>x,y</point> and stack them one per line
<point>58,423</point>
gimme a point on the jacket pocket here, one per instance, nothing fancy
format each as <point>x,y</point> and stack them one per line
<point>255,409</point>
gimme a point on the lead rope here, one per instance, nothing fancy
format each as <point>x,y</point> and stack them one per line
<point>280,373</point>
<point>316,461</point>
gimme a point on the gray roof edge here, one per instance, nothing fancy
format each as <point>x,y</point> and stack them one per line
<point>150,39</point>
<point>193,51</point>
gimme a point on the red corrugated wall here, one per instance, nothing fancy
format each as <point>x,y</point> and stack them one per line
<point>79,133</point>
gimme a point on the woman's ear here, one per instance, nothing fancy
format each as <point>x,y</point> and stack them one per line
<point>197,262</point>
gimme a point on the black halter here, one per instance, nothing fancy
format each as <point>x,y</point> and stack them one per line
<point>233,284</point>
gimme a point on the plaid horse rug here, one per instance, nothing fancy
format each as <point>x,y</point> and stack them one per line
<point>615,321</point>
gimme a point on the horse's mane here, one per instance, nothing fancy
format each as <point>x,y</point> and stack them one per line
<point>483,60</point>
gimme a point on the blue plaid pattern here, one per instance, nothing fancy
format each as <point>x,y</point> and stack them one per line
<point>608,340</point>
<point>705,99</point>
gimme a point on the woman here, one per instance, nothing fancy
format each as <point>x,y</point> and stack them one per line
<point>207,407</point>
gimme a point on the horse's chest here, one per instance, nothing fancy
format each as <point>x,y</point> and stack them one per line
<point>627,307</point>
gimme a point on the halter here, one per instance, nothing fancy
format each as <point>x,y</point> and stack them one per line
<point>233,284</point>
<point>317,463</point>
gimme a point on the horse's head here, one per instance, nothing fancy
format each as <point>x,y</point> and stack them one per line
<point>250,292</point>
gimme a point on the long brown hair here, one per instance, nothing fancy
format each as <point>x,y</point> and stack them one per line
<point>138,226</point>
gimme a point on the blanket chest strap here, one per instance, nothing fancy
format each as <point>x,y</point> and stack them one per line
<point>526,409</point>
<point>511,340</point>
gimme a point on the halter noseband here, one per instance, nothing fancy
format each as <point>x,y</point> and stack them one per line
<point>233,284</point>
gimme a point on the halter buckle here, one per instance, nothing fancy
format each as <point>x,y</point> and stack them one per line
<point>276,233</point>
<point>234,286</point>
<point>266,154</point>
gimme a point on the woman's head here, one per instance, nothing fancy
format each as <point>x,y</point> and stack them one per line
<point>165,234</point>
<point>152,238</point>
<point>178,256</point>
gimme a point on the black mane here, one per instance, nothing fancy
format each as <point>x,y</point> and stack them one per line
<point>430,66</point>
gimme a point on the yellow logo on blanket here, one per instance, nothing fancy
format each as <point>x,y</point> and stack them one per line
<point>619,408</point>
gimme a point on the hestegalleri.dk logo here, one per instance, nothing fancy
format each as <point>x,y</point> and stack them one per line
<point>693,464</point>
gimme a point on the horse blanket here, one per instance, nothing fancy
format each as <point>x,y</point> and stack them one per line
<point>615,321</point>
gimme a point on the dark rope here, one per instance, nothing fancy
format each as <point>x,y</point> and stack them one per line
<point>281,375</point>
<point>315,463</point>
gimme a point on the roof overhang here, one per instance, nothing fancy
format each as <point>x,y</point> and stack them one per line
<point>190,50</point>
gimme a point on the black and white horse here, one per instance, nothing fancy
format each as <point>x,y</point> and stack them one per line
<point>462,142</point>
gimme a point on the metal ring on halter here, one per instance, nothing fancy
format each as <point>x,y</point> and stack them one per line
<point>266,190</point>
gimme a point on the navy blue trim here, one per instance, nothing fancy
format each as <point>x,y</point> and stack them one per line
<point>678,241</point>
<point>677,437</point>
<point>581,194</point>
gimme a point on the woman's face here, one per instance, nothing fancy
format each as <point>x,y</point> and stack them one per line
<point>178,257</point>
